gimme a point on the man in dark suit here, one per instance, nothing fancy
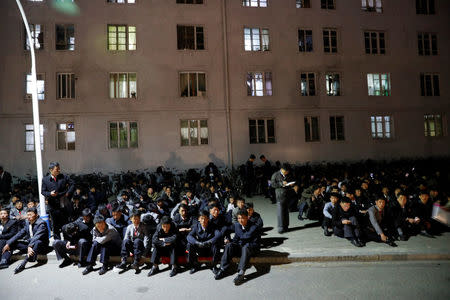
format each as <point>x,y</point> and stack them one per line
<point>203,239</point>
<point>164,242</point>
<point>246,243</point>
<point>267,174</point>
<point>279,183</point>
<point>77,239</point>
<point>57,187</point>
<point>250,176</point>
<point>5,185</point>
<point>119,220</point>
<point>345,223</point>
<point>33,238</point>
<point>8,228</point>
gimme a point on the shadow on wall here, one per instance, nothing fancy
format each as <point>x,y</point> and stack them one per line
<point>176,162</point>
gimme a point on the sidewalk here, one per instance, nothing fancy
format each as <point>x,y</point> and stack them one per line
<point>305,242</point>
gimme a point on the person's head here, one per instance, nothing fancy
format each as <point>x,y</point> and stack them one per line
<point>4,214</point>
<point>160,202</point>
<point>401,199</point>
<point>345,203</point>
<point>183,210</point>
<point>285,168</point>
<point>31,203</point>
<point>364,185</point>
<point>434,192</point>
<point>189,194</point>
<point>32,215</point>
<point>232,199</point>
<point>424,196</point>
<point>344,187</point>
<point>135,218</point>
<point>385,190</point>
<point>18,205</point>
<point>203,219</point>
<point>296,187</point>
<point>252,157</point>
<point>242,217</point>
<point>14,198</point>
<point>240,203</point>
<point>150,191</point>
<point>168,191</point>
<point>54,169</point>
<point>124,195</point>
<point>263,158</point>
<point>87,215</point>
<point>358,192</point>
<point>116,212</point>
<point>380,203</point>
<point>166,224</point>
<point>249,208</point>
<point>397,191</point>
<point>334,198</point>
<point>71,228</point>
<point>212,189</point>
<point>316,190</point>
<point>100,224</point>
<point>214,210</point>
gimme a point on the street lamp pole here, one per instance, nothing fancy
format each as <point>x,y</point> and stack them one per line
<point>36,122</point>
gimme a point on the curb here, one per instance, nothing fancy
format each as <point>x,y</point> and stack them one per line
<point>279,260</point>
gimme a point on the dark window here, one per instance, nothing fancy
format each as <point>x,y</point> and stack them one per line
<point>337,128</point>
<point>305,41</point>
<point>190,37</point>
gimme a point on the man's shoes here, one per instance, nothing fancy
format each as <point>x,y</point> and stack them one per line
<point>221,274</point>
<point>66,262</point>
<point>88,270</point>
<point>426,234</point>
<point>391,243</point>
<point>20,267</point>
<point>103,269</point>
<point>361,242</point>
<point>174,271</point>
<point>81,265</point>
<point>215,270</point>
<point>355,243</point>
<point>135,266</point>
<point>3,264</point>
<point>300,218</point>
<point>326,232</point>
<point>402,237</point>
<point>239,279</point>
<point>153,271</point>
<point>193,269</point>
<point>122,265</point>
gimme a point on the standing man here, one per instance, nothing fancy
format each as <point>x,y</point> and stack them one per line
<point>250,176</point>
<point>5,185</point>
<point>280,184</point>
<point>267,174</point>
<point>56,188</point>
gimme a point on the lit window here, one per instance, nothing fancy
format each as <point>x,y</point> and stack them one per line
<point>121,37</point>
<point>256,39</point>
<point>333,84</point>
<point>372,6</point>
<point>305,40</point>
<point>307,84</point>
<point>40,87</point>
<point>433,125</point>
<point>379,84</point>
<point>381,127</point>
<point>122,85</point>
<point>37,36</point>
<point>259,84</point>
<point>254,3</point>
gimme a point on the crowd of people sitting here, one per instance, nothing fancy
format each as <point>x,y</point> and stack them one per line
<point>205,219</point>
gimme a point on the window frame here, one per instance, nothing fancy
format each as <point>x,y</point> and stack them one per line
<point>427,122</point>
<point>378,42</point>
<point>67,45</point>
<point>33,37</point>
<point>375,135</point>
<point>312,138</point>
<point>305,30</point>
<point>425,11</point>
<point>262,47</point>
<point>327,4</point>
<point>199,94</point>
<point>41,134</point>
<point>253,91</point>
<point>257,1</point>
<point>117,82</point>
<point>380,81</point>
<point>423,85</point>
<point>339,91</point>
<point>195,37</point>
<point>336,131</point>
<point>375,8</point>
<point>308,93</point>
<point>306,4</point>
<point>69,86</point>
<point>58,130</point>
<point>199,132</point>
<point>421,43</point>
<point>330,40</point>
<point>29,96</point>
<point>128,124</point>
<point>268,139</point>
<point>127,37</point>
<point>126,2</point>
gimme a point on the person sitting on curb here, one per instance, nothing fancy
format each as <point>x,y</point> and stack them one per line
<point>133,242</point>
<point>8,228</point>
<point>345,222</point>
<point>378,229</point>
<point>164,243</point>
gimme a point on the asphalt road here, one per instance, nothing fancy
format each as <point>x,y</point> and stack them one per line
<point>346,280</point>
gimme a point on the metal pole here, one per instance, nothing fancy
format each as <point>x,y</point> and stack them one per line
<point>36,122</point>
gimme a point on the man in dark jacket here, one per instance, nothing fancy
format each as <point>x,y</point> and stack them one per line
<point>184,222</point>
<point>77,238</point>
<point>57,188</point>
<point>246,243</point>
<point>8,228</point>
<point>119,220</point>
<point>403,218</point>
<point>164,243</point>
<point>280,184</point>
<point>5,185</point>
<point>250,176</point>
<point>33,238</point>
<point>345,223</point>
<point>203,239</point>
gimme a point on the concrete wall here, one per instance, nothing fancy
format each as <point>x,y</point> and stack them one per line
<point>157,62</point>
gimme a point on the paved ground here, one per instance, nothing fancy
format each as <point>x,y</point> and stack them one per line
<point>337,280</point>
